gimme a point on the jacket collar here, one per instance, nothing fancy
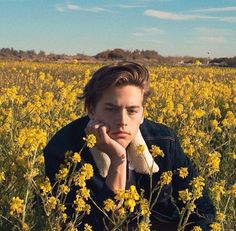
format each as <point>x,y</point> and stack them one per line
<point>141,163</point>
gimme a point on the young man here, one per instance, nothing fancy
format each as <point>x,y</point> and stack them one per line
<point>114,100</point>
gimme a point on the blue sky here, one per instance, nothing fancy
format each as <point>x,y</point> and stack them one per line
<point>171,27</point>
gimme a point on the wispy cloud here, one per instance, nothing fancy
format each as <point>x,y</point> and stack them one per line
<point>148,31</point>
<point>72,7</point>
<point>76,7</point>
<point>222,9</point>
<point>165,15</point>
<point>174,16</point>
<point>228,19</point>
<point>60,9</point>
<point>130,5</point>
<point>153,30</point>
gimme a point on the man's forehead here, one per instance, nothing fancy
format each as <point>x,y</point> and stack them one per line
<point>109,104</point>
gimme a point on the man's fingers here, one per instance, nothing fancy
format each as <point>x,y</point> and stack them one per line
<point>103,133</point>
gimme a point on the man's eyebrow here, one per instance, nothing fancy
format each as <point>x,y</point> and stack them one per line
<point>113,105</point>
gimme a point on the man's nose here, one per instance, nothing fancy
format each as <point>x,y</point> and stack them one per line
<point>122,118</point>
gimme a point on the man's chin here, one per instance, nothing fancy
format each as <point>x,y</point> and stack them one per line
<point>123,142</point>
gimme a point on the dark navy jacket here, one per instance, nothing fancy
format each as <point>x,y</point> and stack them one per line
<point>70,138</point>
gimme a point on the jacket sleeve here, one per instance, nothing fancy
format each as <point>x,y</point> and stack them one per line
<point>204,207</point>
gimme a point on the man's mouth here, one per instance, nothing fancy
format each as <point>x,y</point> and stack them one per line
<point>120,134</point>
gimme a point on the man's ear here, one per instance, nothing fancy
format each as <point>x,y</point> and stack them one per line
<point>91,113</point>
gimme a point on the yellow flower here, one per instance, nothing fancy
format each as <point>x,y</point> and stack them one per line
<point>120,195</point>
<point>232,190</point>
<point>183,172</point>
<point>214,124</point>
<point>16,205</point>
<point>140,149</point>
<point>143,226</point>
<point>62,173</point>
<point>91,140</point>
<point>79,179</point>
<point>165,178</point>
<point>185,195</point>
<point>45,187</point>
<point>133,193</point>
<point>2,177</point>
<point>121,212</point>
<point>197,184</point>
<point>79,204</point>
<point>84,192</point>
<point>156,151</point>
<point>198,113</point>
<point>52,202</point>
<point>191,207</point>
<point>218,189</point>
<point>196,228</point>
<point>213,162</point>
<point>64,188</point>
<point>220,217</point>
<point>88,227</point>
<point>215,226</point>
<point>76,158</point>
<point>130,204</point>
<point>87,170</point>
<point>109,205</point>
<point>144,206</point>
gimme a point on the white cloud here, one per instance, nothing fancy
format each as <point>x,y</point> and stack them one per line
<point>96,9</point>
<point>75,7</point>
<point>60,9</point>
<point>222,9</point>
<point>228,19</point>
<point>72,7</point>
<point>130,5</point>
<point>184,17</point>
<point>174,16</point>
<point>153,30</point>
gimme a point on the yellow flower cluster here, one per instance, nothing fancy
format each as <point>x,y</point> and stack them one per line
<point>165,178</point>
<point>197,184</point>
<point>156,151</point>
<point>129,196</point>
<point>84,173</point>
<point>215,227</point>
<point>45,186</point>
<point>196,228</point>
<point>90,140</point>
<point>109,205</point>
<point>199,103</point>
<point>213,162</point>
<point>183,172</point>
<point>16,205</point>
<point>140,149</point>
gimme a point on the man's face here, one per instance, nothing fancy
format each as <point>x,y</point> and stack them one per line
<point>121,109</point>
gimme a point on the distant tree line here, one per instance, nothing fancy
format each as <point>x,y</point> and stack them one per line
<point>144,56</point>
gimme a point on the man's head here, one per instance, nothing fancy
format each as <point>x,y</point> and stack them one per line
<point>115,95</point>
<point>121,74</point>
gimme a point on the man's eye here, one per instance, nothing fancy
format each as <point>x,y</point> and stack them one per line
<point>110,109</point>
<point>132,111</point>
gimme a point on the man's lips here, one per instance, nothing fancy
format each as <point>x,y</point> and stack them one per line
<point>120,133</point>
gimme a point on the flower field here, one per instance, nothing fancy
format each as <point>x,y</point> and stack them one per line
<point>37,99</point>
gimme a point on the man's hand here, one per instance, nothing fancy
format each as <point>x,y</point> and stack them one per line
<point>116,178</point>
<point>104,142</point>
